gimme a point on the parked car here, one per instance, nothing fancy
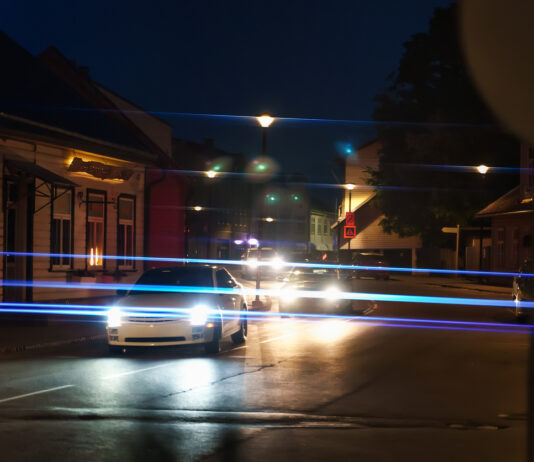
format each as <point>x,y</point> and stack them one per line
<point>273,263</point>
<point>523,288</point>
<point>164,308</point>
<point>370,263</point>
<point>327,284</point>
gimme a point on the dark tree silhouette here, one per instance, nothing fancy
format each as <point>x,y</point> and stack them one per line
<point>430,119</point>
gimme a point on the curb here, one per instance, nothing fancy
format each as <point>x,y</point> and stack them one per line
<point>477,289</point>
<point>35,346</point>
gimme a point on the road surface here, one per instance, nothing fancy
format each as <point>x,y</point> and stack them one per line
<point>299,389</point>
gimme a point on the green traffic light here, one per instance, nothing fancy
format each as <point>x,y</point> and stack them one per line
<point>261,167</point>
<point>296,197</point>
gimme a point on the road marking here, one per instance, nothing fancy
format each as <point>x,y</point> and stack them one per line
<point>238,348</point>
<point>276,338</point>
<point>120,374</point>
<point>35,393</point>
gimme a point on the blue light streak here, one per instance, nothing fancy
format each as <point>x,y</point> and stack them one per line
<point>275,293</point>
<point>208,261</point>
<point>101,310</point>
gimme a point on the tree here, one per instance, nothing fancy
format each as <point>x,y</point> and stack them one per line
<point>431,122</point>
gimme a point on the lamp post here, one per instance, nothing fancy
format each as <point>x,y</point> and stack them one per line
<point>350,187</point>
<point>482,169</point>
<point>210,174</point>
<point>265,122</point>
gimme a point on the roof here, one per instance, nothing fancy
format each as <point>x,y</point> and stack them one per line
<point>31,91</point>
<point>20,128</point>
<point>507,204</point>
<point>368,143</point>
<point>35,170</point>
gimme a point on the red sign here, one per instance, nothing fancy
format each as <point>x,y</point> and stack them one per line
<point>349,219</point>
<point>349,232</point>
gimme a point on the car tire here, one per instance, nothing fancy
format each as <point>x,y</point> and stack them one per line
<point>241,335</point>
<point>115,350</point>
<point>214,347</point>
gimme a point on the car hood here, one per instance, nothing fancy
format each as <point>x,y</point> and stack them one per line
<point>167,300</point>
<point>316,284</point>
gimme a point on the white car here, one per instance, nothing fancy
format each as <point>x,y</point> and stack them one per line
<point>183,305</point>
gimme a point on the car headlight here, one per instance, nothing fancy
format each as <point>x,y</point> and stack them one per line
<point>332,293</point>
<point>252,263</point>
<point>277,263</point>
<point>199,315</point>
<point>114,317</point>
<point>289,295</point>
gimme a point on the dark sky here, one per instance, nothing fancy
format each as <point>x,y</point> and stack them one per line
<point>298,59</point>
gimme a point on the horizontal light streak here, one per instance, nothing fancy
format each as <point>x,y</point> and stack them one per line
<point>101,310</point>
<point>209,261</point>
<point>275,293</point>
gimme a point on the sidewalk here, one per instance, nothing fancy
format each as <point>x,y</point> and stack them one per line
<point>458,283</point>
<point>28,334</point>
<point>23,337</point>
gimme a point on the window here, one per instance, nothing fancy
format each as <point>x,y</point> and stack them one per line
<point>126,231</point>
<point>515,249</point>
<point>61,228</point>
<point>224,279</point>
<point>499,248</point>
<point>96,223</point>
<point>312,225</point>
<point>325,227</point>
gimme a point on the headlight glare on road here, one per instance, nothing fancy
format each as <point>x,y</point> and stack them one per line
<point>277,263</point>
<point>199,315</point>
<point>289,295</point>
<point>114,317</point>
<point>332,293</point>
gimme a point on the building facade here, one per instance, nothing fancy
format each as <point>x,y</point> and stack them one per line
<point>400,251</point>
<point>87,178</point>
<point>512,219</point>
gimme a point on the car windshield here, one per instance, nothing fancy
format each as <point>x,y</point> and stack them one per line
<point>175,277</point>
<point>313,274</point>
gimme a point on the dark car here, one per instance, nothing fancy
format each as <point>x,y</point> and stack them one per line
<point>523,288</point>
<point>328,284</point>
<point>370,265</point>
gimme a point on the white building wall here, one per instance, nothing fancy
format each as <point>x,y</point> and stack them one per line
<point>373,237</point>
<point>57,159</point>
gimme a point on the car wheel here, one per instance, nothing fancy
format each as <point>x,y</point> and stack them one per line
<point>116,350</point>
<point>241,335</point>
<point>213,347</point>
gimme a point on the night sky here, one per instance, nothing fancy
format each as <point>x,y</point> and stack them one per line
<point>295,59</point>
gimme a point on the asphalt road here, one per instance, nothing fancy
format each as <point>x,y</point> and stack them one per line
<point>299,389</point>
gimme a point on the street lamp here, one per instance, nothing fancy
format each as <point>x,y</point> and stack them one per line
<point>482,169</point>
<point>197,208</point>
<point>265,122</point>
<point>350,187</point>
<point>269,219</point>
<point>211,174</point>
